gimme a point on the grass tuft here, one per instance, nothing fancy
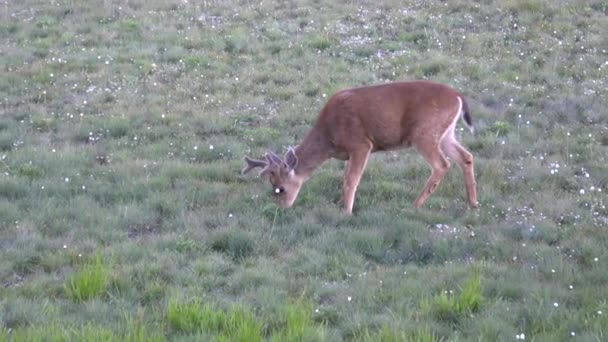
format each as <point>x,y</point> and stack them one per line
<point>237,244</point>
<point>89,282</point>
<point>236,324</point>
<point>320,42</point>
<point>447,306</point>
<point>188,316</point>
<point>299,324</point>
<point>386,334</point>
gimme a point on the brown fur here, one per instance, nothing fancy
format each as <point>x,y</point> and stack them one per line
<point>357,122</point>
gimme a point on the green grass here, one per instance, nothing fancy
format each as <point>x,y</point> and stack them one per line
<point>89,282</point>
<point>236,324</point>
<point>239,324</point>
<point>136,333</point>
<point>123,215</point>
<point>449,306</point>
<point>299,324</point>
<point>386,334</point>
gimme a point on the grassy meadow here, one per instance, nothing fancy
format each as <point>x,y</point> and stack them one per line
<point>123,216</point>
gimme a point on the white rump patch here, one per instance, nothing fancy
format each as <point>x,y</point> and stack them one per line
<point>452,127</point>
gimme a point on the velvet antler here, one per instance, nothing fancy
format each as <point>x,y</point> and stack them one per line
<point>254,163</point>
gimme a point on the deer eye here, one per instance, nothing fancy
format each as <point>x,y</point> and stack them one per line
<point>279,190</point>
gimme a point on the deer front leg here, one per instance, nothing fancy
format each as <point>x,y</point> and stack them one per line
<point>353,171</point>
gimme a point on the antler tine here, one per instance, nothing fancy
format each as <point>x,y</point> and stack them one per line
<point>274,158</point>
<point>252,164</point>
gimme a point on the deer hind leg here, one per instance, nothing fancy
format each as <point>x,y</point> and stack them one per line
<point>353,170</point>
<point>452,148</point>
<point>439,165</point>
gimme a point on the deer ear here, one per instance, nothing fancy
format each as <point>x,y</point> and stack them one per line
<point>291,159</point>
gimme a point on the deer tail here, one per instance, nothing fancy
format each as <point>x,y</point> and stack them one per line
<point>466,115</point>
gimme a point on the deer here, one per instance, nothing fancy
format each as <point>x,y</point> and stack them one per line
<point>356,122</point>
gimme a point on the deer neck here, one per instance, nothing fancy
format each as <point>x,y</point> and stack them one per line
<point>311,153</point>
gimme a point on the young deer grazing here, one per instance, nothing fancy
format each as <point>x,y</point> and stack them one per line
<point>357,122</point>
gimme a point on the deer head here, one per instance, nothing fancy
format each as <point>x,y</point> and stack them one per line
<point>281,174</point>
